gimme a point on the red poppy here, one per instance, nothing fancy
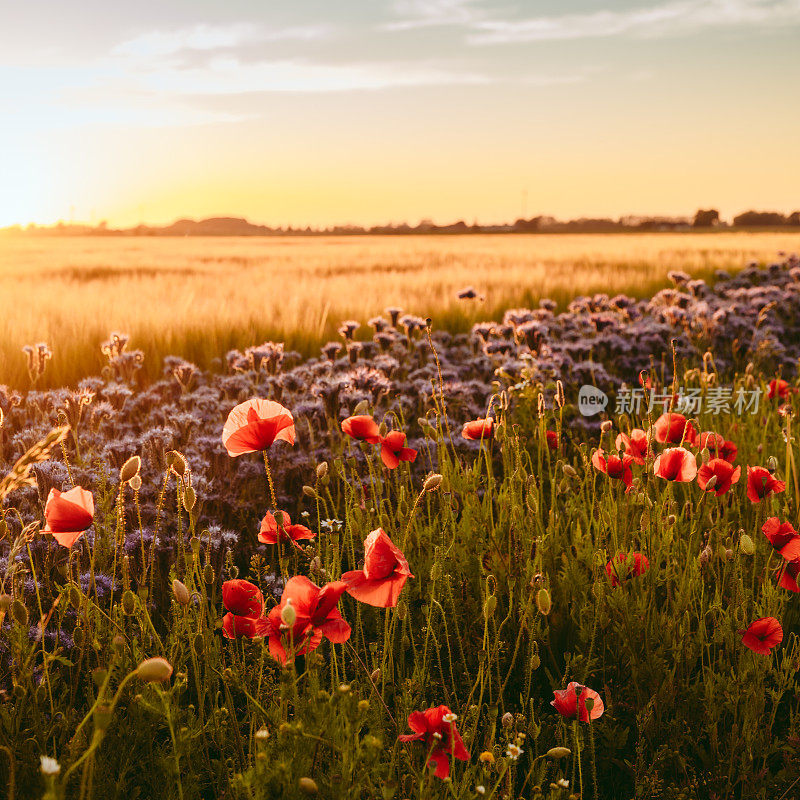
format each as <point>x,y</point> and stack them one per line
<point>762,635</point>
<point>778,388</point>
<point>761,484</point>
<point>384,575</point>
<point>288,532</point>
<point>362,427</point>
<point>552,440</point>
<point>316,616</point>
<point>255,425</point>
<point>789,573</point>
<point>393,449</point>
<point>627,566</point>
<point>634,445</point>
<point>478,429</point>
<point>672,428</point>
<point>242,598</point>
<point>613,466</point>
<point>571,702</point>
<point>718,446</point>
<point>724,471</point>
<point>436,729</point>
<point>676,464</point>
<point>67,515</point>
<point>783,537</point>
<point>234,625</point>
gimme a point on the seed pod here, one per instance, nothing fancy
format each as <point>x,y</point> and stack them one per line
<point>543,601</point>
<point>135,483</point>
<point>308,786</point>
<point>154,670</point>
<point>130,469</point>
<point>20,613</point>
<point>558,752</point>
<point>746,545</point>
<point>180,592</point>
<point>432,482</point>
<point>322,470</point>
<point>189,498</point>
<point>128,602</point>
<point>208,574</point>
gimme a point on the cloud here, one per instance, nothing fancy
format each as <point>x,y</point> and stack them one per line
<point>674,17</point>
<point>429,13</point>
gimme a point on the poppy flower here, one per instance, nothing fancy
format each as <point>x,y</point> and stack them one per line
<point>270,530</point>
<point>362,427</point>
<point>783,537</point>
<point>778,388</point>
<point>761,484</point>
<point>627,566</point>
<point>634,445</point>
<point>718,446</point>
<point>726,475</point>
<point>384,575</point>
<point>478,429</point>
<point>552,440</point>
<point>571,702</point>
<point>393,449</point>
<point>67,515</point>
<point>762,635</point>
<point>789,573</point>
<point>315,615</point>
<point>676,464</point>
<point>245,605</point>
<point>255,425</point>
<point>234,625</point>
<point>613,466</point>
<point>672,428</point>
<point>436,729</point>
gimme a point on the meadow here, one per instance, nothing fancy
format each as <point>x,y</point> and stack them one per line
<point>199,298</point>
<point>412,566</point>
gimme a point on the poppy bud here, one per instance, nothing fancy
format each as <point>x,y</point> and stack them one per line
<point>376,675</point>
<point>401,610</point>
<point>536,662</point>
<point>130,469</point>
<point>543,601</point>
<point>5,602</point>
<point>760,448</point>
<point>746,545</point>
<point>177,463</point>
<point>195,544</point>
<point>118,643</point>
<point>711,483</point>
<point>558,752</point>
<point>135,483</point>
<point>507,720</point>
<point>308,786</point>
<point>208,574</point>
<point>189,498</point>
<point>77,636</point>
<point>705,555</point>
<point>569,471</point>
<point>432,482</point>
<point>128,602</point>
<point>154,670</point>
<point>288,614</point>
<point>309,491</point>
<point>606,425</point>
<point>20,613</point>
<point>180,592</point>
<point>322,470</point>
<point>490,606</point>
<point>671,520</point>
<point>729,554</point>
<point>772,463</point>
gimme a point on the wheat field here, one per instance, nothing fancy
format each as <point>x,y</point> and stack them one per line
<point>198,298</point>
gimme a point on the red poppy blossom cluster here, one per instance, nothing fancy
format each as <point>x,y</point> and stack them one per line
<point>393,445</point>
<point>624,566</point>
<point>271,532</point>
<point>245,605</point>
<point>436,729</point>
<point>614,466</point>
<point>571,702</point>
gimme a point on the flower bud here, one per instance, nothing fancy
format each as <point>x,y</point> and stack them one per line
<point>361,409</point>
<point>606,425</point>
<point>712,482</point>
<point>322,470</point>
<point>102,716</point>
<point>5,602</point>
<point>208,574</point>
<point>130,469</point>
<point>569,471</point>
<point>543,601</point>
<point>558,752</point>
<point>308,786</point>
<point>154,670</point>
<point>128,602</point>
<point>135,483</point>
<point>507,720</point>
<point>375,677</point>
<point>432,482</point>
<point>671,520</point>
<point>746,545</point>
<point>180,592</point>
<point>189,498</point>
<point>177,463</point>
<point>310,491</point>
<point>490,606</point>
<point>118,643</point>
<point>772,463</point>
<point>20,613</point>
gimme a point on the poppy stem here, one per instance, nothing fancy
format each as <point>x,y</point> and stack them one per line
<point>269,480</point>
<point>372,684</point>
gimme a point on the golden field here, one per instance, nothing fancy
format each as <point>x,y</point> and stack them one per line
<point>200,297</point>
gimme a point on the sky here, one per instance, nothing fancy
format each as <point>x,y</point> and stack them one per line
<point>293,112</point>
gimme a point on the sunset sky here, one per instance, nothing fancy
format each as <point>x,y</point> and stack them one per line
<point>373,111</point>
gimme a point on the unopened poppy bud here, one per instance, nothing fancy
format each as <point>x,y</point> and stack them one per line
<point>728,554</point>
<point>432,482</point>
<point>20,613</point>
<point>543,601</point>
<point>309,491</point>
<point>118,643</point>
<point>705,456</point>
<point>180,592</point>
<point>78,637</point>
<point>569,470</point>
<point>128,602</point>
<point>288,614</point>
<point>130,468</point>
<point>536,662</point>
<point>490,606</point>
<point>712,482</point>
<point>606,425</point>
<point>746,545</point>
<point>308,786</point>
<point>154,670</point>
<point>361,408</point>
<point>772,463</point>
<point>383,429</point>
<point>5,602</point>
<point>75,597</point>
<point>322,470</point>
<point>507,720</point>
<point>376,675</point>
<point>177,463</point>
<point>135,483</point>
<point>671,520</point>
<point>401,610</point>
<point>558,752</point>
<point>208,574</point>
<point>189,498</point>
<point>705,555</point>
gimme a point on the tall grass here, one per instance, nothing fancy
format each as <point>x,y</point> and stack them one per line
<point>198,298</point>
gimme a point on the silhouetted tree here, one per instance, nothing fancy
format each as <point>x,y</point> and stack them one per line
<point>706,219</point>
<point>759,218</point>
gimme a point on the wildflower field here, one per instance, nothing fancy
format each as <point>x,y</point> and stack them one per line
<point>415,565</point>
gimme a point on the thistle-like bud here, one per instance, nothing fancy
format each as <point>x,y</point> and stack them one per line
<point>130,469</point>
<point>432,482</point>
<point>180,592</point>
<point>746,545</point>
<point>322,470</point>
<point>543,601</point>
<point>154,670</point>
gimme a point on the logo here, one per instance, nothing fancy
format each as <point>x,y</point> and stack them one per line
<point>591,400</point>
